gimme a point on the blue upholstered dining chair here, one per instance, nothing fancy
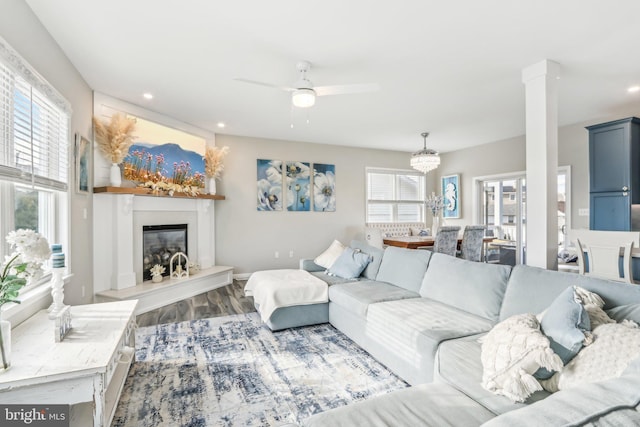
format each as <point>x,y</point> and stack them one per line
<point>472,241</point>
<point>446,240</point>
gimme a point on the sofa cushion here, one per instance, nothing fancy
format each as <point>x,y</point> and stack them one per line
<point>413,328</point>
<point>628,311</point>
<point>607,403</point>
<point>475,287</point>
<point>357,296</point>
<point>376,258</point>
<point>349,264</point>
<point>403,267</point>
<point>533,289</point>
<point>458,363</point>
<point>422,405</point>
<point>330,280</point>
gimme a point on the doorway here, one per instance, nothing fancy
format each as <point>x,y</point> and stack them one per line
<point>501,206</point>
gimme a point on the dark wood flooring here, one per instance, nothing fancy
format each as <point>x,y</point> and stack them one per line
<point>223,301</point>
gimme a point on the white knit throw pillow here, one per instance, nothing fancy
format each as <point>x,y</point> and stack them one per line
<point>614,346</point>
<point>511,352</point>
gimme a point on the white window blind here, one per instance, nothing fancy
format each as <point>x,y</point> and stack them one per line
<point>34,126</point>
<point>395,196</point>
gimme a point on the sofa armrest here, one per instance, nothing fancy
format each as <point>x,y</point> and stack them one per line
<point>310,266</point>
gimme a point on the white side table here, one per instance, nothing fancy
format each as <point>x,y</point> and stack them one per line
<point>90,365</point>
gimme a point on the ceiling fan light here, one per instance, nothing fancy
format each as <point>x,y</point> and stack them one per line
<point>303,98</point>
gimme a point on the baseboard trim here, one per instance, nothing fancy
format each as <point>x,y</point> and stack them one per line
<point>242,276</point>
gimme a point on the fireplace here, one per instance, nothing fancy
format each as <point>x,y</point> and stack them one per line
<point>159,243</point>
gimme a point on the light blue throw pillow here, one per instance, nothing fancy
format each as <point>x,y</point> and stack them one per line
<point>350,264</point>
<point>565,323</point>
<point>376,258</point>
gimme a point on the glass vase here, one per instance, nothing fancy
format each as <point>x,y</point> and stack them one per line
<point>5,345</point>
<point>435,224</point>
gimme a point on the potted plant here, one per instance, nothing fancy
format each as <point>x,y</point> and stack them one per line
<point>31,250</point>
<point>156,273</point>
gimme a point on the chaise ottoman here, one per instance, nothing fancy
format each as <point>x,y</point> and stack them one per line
<point>289,298</point>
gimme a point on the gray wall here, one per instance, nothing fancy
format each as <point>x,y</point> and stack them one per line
<point>509,156</point>
<point>247,239</point>
<point>24,32</point>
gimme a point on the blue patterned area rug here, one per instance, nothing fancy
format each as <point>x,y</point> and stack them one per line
<point>232,371</point>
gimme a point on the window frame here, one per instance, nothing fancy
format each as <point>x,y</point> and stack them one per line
<point>52,185</point>
<point>395,201</point>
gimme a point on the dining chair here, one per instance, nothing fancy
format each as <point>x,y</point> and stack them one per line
<point>446,240</point>
<point>472,242</point>
<point>599,254</point>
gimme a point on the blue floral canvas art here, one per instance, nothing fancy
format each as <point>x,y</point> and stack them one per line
<point>297,180</point>
<point>324,187</point>
<point>269,185</point>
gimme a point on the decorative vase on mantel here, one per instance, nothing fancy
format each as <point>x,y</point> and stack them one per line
<point>5,345</point>
<point>115,178</point>
<point>156,278</point>
<point>210,186</point>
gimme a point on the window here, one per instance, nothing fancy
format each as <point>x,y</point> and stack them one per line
<point>34,142</point>
<point>395,195</point>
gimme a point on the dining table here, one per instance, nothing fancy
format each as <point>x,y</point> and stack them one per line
<point>415,242</point>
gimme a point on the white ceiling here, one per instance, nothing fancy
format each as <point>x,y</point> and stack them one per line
<point>452,68</point>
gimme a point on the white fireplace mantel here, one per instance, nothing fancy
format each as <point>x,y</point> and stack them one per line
<point>118,221</point>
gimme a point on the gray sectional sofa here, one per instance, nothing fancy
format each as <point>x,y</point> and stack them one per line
<point>421,314</point>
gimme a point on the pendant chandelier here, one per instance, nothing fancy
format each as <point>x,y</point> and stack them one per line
<point>426,159</point>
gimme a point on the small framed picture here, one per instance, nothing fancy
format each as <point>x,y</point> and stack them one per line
<point>451,196</point>
<point>83,160</point>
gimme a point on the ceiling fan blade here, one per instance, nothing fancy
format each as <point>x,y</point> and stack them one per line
<point>254,82</point>
<point>344,89</point>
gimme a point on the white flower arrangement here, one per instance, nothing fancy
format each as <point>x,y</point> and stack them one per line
<point>30,251</point>
<point>435,203</point>
<point>30,248</point>
<point>157,270</point>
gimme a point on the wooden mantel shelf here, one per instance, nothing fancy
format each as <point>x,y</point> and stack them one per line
<point>143,191</point>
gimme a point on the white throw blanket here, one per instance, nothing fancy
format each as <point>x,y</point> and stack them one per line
<point>273,289</point>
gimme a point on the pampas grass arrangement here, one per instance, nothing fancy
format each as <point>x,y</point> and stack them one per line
<point>114,137</point>
<point>213,158</point>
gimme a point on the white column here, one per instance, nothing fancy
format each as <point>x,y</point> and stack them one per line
<point>541,90</point>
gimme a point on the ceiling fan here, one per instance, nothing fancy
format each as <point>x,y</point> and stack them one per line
<point>303,93</point>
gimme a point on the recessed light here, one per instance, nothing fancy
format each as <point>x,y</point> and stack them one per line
<point>633,89</point>
<point>147,96</point>
<point>221,125</point>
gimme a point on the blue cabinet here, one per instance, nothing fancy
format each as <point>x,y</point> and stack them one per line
<point>614,173</point>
